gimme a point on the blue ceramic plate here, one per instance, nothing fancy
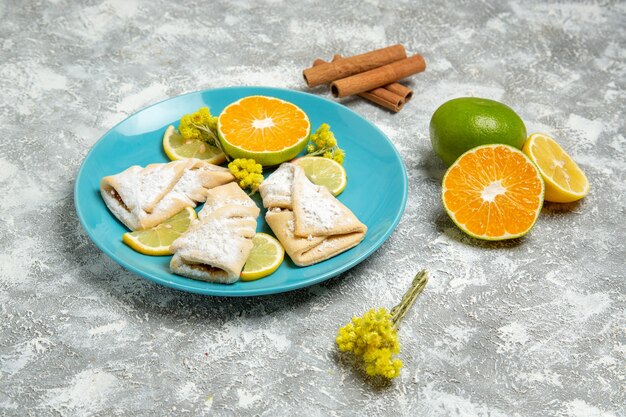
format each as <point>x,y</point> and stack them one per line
<point>376,190</point>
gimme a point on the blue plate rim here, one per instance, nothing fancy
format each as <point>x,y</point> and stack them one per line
<point>252,292</point>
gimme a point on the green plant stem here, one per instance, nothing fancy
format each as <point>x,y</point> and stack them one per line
<point>416,288</point>
<point>317,152</point>
<point>215,140</point>
<point>321,151</point>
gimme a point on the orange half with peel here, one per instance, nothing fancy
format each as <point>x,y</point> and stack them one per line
<point>493,192</point>
<point>266,129</point>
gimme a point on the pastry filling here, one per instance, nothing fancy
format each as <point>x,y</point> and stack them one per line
<point>209,269</point>
<point>115,195</point>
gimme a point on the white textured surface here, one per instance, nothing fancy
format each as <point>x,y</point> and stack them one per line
<point>527,328</point>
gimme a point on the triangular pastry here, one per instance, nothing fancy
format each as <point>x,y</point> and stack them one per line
<point>217,244</point>
<point>142,198</point>
<point>318,228</point>
<point>317,212</point>
<point>226,195</point>
<point>305,251</point>
<point>276,189</point>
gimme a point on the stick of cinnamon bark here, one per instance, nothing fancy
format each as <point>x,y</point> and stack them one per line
<point>405,92</point>
<point>401,90</point>
<point>384,98</point>
<point>331,71</point>
<point>380,96</point>
<point>377,77</point>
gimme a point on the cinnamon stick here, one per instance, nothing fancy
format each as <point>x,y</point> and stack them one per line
<point>405,92</point>
<point>384,98</point>
<point>377,77</point>
<point>401,90</point>
<point>331,71</point>
<point>380,96</point>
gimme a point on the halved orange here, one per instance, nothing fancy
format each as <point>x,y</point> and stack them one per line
<point>266,129</point>
<point>493,192</point>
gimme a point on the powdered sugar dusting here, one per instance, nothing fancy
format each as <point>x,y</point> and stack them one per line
<point>158,188</point>
<point>325,245</point>
<point>215,239</point>
<point>318,211</point>
<point>291,227</point>
<point>85,394</point>
<point>221,237</point>
<point>276,189</point>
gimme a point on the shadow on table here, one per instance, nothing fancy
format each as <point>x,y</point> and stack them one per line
<point>430,165</point>
<point>556,209</point>
<point>349,363</point>
<point>322,90</point>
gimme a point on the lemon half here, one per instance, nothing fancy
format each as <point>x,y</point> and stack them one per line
<point>565,181</point>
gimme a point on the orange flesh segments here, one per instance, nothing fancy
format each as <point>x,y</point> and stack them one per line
<point>493,192</point>
<point>261,124</point>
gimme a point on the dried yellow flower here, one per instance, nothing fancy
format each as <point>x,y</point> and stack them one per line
<point>247,172</point>
<point>200,125</point>
<point>324,143</point>
<point>374,336</point>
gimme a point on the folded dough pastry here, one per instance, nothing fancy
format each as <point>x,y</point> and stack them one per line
<point>217,245</point>
<point>317,212</point>
<point>305,251</point>
<point>309,221</point>
<point>226,195</point>
<point>142,198</point>
<point>276,189</point>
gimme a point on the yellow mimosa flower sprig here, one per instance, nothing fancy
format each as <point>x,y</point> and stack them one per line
<point>201,125</point>
<point>247,172</point>
<point>323,143</point>
<point>374,337</point>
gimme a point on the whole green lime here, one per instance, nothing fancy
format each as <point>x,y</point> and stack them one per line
<point>463,123</point>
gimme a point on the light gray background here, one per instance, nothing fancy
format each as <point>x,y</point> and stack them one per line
<point>527,328</point>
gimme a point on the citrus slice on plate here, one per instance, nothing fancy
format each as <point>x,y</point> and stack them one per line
<point>266,129</point>
<point>493,192</point>
<point>266,256</point>
<point>565,181</point>
<point>157,240</point>
<point>176,147</point>
<point>324,171</point>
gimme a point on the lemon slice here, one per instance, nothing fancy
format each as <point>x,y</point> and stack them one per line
<point>157,241</point>
<point>266,256</point>
<point>324,171</point>
<point>565,181</point>
<point>176,147</point>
